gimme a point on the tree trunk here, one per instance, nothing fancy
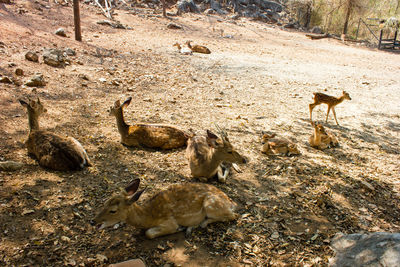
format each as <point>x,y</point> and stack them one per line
<point>164,12</point>
<point>348,12</point>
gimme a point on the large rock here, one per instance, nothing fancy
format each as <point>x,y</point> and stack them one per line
<point>36,81</point>
<point>273,6</point>
<point>366,250</point>
<point>187,6</point>
<point>54,57</point>
<point>61,32</point>
<point>217,7</point>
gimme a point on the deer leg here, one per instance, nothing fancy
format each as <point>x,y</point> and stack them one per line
<point>327,114</point>
<point>334,115</point>
<point>167,227</point>
<point>222,174</point>
<point>311,107</point>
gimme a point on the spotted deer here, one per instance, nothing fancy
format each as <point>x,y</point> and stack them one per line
<point>147,135</point>
<point>180,205</point>
<point>198,48</point>
<point>183,50</point>
<point>331,101</point>
<point>211,155</point>
<point>273,145</point>
<point>51,150</point>
<point>321,138</point>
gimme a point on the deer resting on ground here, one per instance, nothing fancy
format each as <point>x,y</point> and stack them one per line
<point>51,150</point>
<point>147,135</point>
<point>198,48</point>
<point>208,154</point>
<point>183,50</point>
<point>273,145</point>
<point>180,205</point>
<point>331,101</point>
<point>322,139</point>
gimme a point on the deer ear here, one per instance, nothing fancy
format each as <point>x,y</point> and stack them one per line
<point>136,196</point>
<point>127,102</point>
<point>211,139</point>
<point>117,104</point>
<point>132,187</point>
<point>23,103</point>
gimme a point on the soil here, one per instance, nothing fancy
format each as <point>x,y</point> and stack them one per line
<point>258,78</point>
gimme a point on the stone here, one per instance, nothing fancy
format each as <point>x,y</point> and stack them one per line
<point>187,6</point>
<point>5,79</point>
<point>174,26</point>
<point>70,52</point>
<point>54,57</point>
<point>60,32</point>
<point>19,72</point>
<point>32,56</point>
<point>36,81</point>
<point>366,249</point>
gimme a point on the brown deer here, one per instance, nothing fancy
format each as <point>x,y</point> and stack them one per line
<point>322,139</point>
<point>51,150</point>
<point>331,101</point>
<point>198,48</point>
<point>208,154</point>
<point>274,146</point>
<point>183,50</point>
<point>180,205</point>
<point>147,135</point>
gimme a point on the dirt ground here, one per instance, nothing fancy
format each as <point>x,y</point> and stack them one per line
<point>257,78</point>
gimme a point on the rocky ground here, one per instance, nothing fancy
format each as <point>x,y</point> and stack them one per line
<point>258,77</point>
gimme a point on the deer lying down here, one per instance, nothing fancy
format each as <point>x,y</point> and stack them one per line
<point>51,150</point>
<point>275,146</point>
<point>148,135</point>
<point>322,139</point>
<point>187,205</point>
<point>198,48</point>
<point>183,50</point>
<point>208,154</point>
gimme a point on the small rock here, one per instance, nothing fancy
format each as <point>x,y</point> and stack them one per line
<point>54,57</point>
<point>10,166</point>
<point>174,26</point>
<point>83,77</point>
<point>32,56</point>
<point>19,72</point>
<point>275,235</point>
<point>103,80</point>
<point>70,52</point>
<point>5,79</point>
<point>36,80</point>
<point>60,32</point>
<point>12,64</point>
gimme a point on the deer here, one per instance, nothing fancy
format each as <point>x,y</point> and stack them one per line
<point>198,48</point>
<point>169,211</point>
<point>321,138</point>
<point>273,145</point>
<point>183,50</point>
<point>147,135</point>
<point>331,101</point>
<point>52,151</point>
<point>211,155</point>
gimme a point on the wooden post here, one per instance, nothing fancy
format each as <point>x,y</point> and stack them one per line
<point>380,40</point>
<point>163,9</point>
<point>77,21</point>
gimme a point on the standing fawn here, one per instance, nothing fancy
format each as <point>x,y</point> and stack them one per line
<point>51,150</point>
<point>273,146</point>
<point>187,205</point>
<point>207,155</point>
<point>322,139</point>
<point>331,101</point>
<point>198,48</point>
<point>148,135</point>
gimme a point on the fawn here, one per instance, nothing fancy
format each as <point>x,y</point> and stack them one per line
<point>331,101</point>
<point>198,48</point>
<point>183,50</point>
<point>207,155</point>
<point>188,205</point>
<point>274,146</point>
<point>51,150</point>
<point>322,139</point>
<point>148,135</point>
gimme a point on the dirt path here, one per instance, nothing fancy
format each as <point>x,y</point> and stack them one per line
<point>262,79</point>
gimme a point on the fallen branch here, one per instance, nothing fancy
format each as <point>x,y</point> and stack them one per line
<point>106,13</point>
<point>318,36</point>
